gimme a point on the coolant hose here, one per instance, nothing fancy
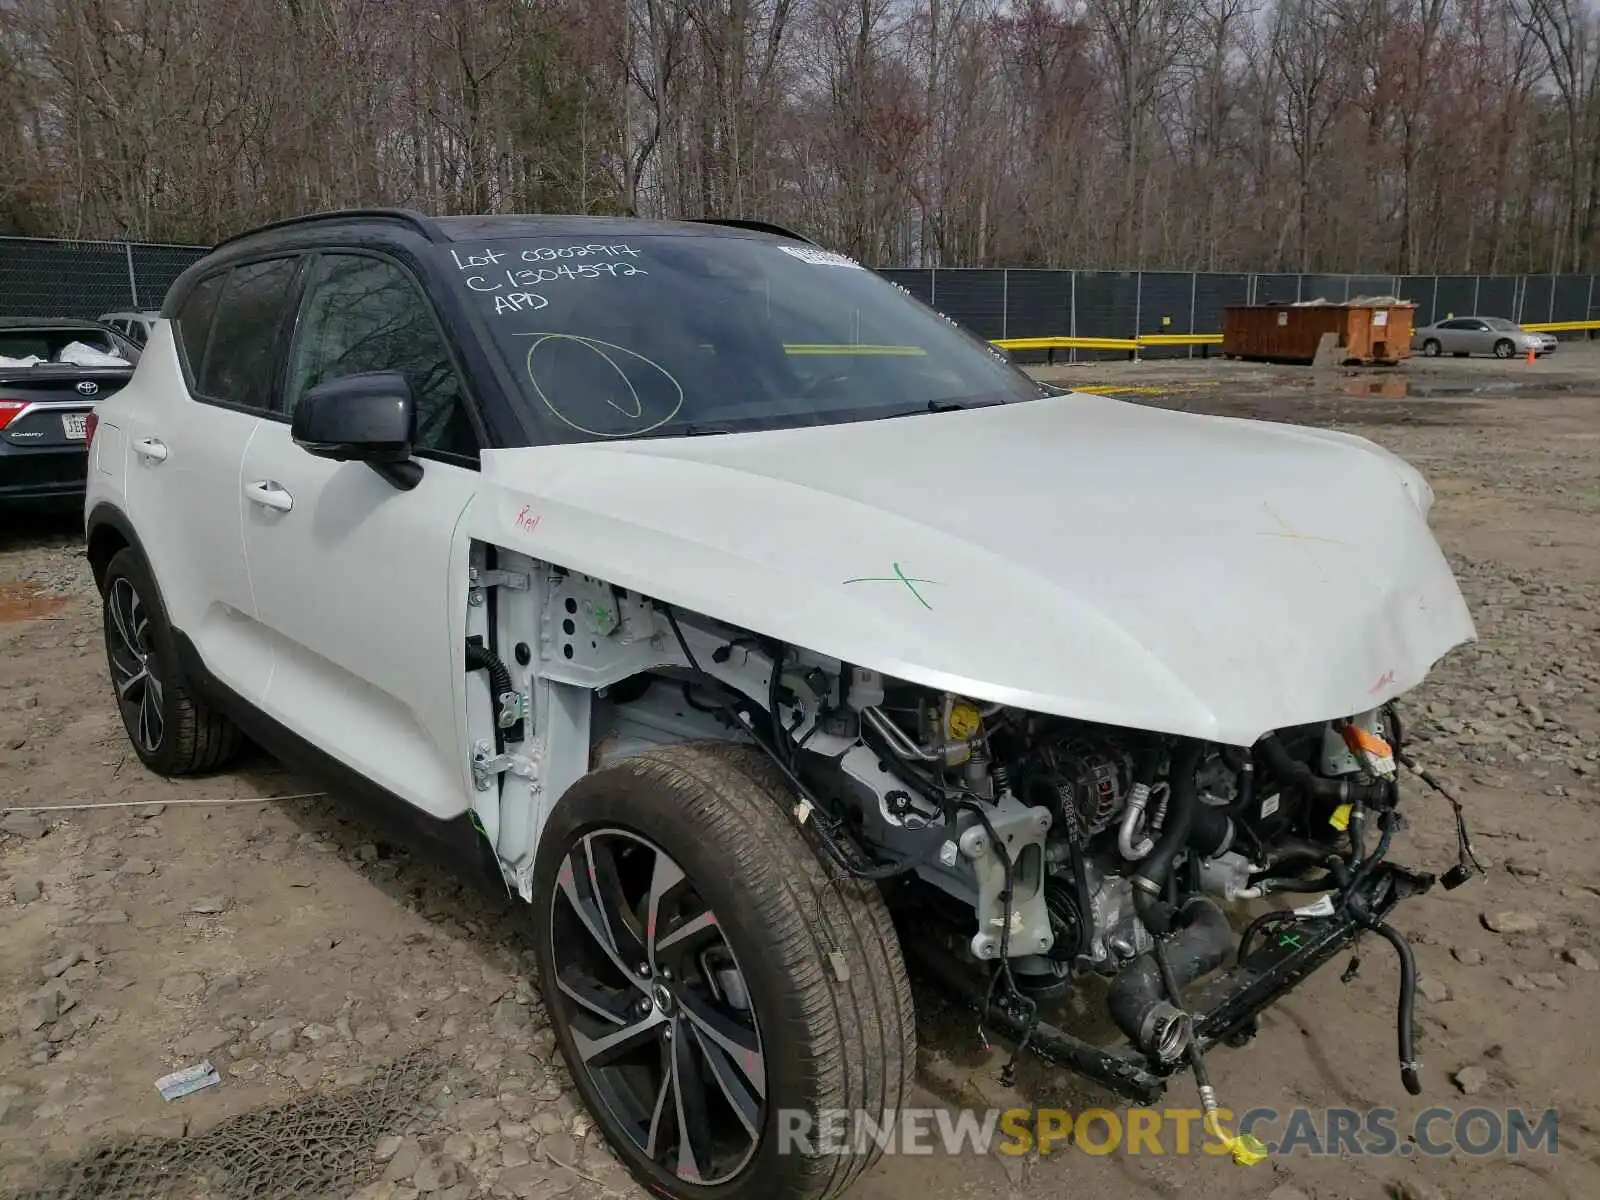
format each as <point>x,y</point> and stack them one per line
<point>481,658</point>
<point>1211,832</point>
<point>1150,879</point>
<point>1289,770</point>
<point>1138,999</point>
<point>1244,802</point>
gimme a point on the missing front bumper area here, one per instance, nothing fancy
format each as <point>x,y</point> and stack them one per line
<point>1223,1009</point>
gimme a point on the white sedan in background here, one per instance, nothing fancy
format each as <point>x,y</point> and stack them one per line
<point>135,326</point>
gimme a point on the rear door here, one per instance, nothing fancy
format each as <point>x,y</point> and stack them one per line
<point>1453,336</point>
<point>203,384</point>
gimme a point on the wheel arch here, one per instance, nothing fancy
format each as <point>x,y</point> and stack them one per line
<point>107,531</point>
<point>605,674</point>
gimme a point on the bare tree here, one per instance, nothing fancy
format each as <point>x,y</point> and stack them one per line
<point>1306,42</point>
<point>1142,41</point>
<point>1389,135</point>
<point>1566,31</point>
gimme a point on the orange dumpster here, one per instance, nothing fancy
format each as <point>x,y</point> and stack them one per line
<point>1367,331</point>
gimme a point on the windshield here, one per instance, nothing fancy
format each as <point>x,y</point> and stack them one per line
<point>667,334</point>
<point>1500,323</point>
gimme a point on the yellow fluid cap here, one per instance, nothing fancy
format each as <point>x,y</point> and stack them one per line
<point>964,721</point>
<point>1247,1150</point>
<point>1340,819</point>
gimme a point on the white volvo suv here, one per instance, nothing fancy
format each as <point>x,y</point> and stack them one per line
<point>734,602</point>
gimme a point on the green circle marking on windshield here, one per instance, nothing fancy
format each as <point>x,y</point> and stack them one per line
<point>632,407</point>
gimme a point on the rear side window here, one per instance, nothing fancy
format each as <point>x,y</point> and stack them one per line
<point>194,322</point>
<point>240,353</point>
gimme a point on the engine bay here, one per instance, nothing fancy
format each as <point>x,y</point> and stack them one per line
<point>1056,850</point>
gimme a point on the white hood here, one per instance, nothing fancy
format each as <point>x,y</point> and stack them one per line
<point>1077,555</point>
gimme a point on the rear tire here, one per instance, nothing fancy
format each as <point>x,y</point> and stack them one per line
<point>1431,348</point>
<point>828,1023</point>
<point>171,731</point>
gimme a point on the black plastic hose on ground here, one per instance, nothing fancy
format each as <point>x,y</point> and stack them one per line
<point>1410,1069</point>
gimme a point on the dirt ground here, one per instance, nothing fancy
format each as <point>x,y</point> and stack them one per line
<point>372,1018</point>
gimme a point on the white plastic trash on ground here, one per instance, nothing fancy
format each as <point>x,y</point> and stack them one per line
<point>190,1079</point>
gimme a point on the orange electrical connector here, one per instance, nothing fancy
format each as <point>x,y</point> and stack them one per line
<point>1370,749</point>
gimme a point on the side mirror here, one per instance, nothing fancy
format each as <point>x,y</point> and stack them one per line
<point>361,418</point>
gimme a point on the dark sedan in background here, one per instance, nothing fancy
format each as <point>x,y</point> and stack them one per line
<point>53,371</point>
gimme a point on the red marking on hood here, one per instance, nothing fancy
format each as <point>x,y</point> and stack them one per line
<point>1384,681</point>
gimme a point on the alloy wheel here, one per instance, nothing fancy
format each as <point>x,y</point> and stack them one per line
<point>135,670</point>
<point>657,1007</point>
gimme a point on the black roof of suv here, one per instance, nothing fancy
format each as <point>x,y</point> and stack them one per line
<point>472,227</point>
<point>391,227</point>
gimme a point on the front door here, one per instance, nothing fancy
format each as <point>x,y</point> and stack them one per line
<point>1478,338</point>
<point>362,587</point>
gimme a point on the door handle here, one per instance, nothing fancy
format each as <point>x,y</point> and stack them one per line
<point>153,449</point>
<point>268,494</point>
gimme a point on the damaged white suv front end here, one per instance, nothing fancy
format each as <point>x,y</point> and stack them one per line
<point>1072,672</point>
<point>761,627</point>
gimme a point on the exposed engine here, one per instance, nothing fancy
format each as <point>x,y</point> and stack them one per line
<point>1116,847</point>
<point>1067,851</point>
<point>1107,794</point>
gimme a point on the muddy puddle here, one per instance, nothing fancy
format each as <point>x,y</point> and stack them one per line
<point>1399,387</point>
<point>1392,389</point>
<point>23,601</point>
<point>1338,408</point>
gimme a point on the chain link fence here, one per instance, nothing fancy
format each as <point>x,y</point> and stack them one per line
<point>1015,303</point>
<point>43,277</point>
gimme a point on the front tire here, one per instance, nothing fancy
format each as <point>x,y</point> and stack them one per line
<point>172,732</point>
<point>715,987</point>
<point>1504,349</point>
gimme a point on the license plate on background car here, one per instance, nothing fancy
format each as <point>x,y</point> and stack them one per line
<point>75,425</point>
